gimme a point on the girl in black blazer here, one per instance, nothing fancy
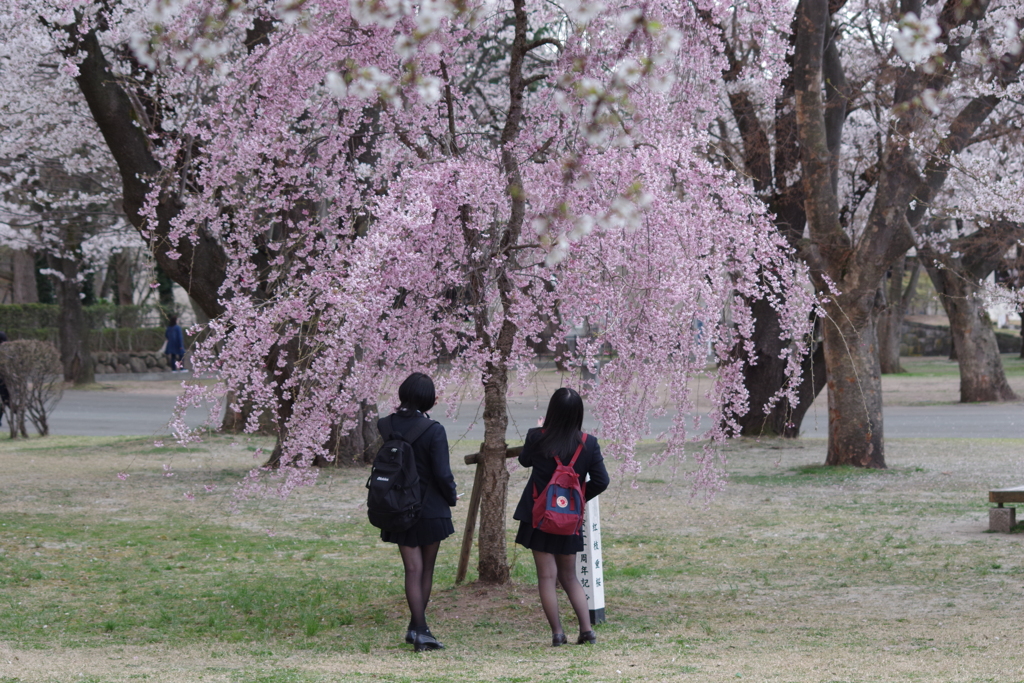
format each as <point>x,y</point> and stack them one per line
<point>554,555</point>
<point>420,543</point>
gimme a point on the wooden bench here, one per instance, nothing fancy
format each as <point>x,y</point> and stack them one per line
<point>1003,518</point>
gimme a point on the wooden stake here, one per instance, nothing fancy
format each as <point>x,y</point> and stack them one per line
<point>474,507</point>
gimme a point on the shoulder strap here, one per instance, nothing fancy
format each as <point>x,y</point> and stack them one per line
<point>422,426</point>
<point>416,432</point>
<point>579,449</point>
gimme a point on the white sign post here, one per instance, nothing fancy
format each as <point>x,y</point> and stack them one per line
<point>589,566</point>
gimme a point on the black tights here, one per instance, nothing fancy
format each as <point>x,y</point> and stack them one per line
<point>419,579</point>
<point>560,569</point>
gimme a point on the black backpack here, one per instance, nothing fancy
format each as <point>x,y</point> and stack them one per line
<point>394,500</point>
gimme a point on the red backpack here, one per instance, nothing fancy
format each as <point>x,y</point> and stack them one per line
<point>558,509</point>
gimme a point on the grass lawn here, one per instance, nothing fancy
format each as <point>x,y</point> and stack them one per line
<point>795,573</point>
<point>940,366</point>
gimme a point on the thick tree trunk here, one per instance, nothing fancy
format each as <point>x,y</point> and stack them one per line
<point>201,267</point>
<point>854,389</point>
<point>493,565</point>
<point>351,449</point>
<point>23,276</point>
<point>73,333</point>
<point>766,375</point>
<point>982,377</point>
<point>358,446</point>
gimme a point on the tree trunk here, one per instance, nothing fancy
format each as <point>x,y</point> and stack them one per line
<point>358,446</point>
<point>493,564</point>
<point>854,389</point>
<point>890,321</point>
<point>202,263</point>
<point>124,286</point>
<point>765,375</point>
<point>73,335</point>
<point>982,377</point>
<point>23,276</point>
<point>72,329</point>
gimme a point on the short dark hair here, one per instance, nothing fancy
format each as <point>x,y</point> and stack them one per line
<point>172,320</point>
<point>562,424</point>
<point>417,393</point>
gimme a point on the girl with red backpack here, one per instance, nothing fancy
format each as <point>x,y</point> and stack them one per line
<point>549,505</point>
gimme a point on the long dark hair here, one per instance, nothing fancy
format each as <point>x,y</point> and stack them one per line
<point>562,424</point>
<point>417,393</point>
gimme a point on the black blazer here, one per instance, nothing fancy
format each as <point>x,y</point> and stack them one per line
<point>590,462</point>
<point>437,485</point>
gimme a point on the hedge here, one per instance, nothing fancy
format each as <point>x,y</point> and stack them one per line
<point>98,316</point>
<point>108,339</point>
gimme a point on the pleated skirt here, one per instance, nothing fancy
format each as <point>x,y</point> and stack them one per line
<point>423,532</point>
<point>531,538</point>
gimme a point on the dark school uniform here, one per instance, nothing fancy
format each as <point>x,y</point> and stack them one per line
<point>590,462</point>
<point>437,485</point>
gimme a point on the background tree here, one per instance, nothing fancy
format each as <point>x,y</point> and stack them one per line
<point>873,97</point>
<point>853,248</point>
<point>98,96</point>
<point>758,138</point>
<point>957,271</point>
<point>58,183</point>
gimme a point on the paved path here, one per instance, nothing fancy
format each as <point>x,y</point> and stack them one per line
<point>109,413</point>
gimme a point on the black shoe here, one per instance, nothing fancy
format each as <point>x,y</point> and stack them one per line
<point>558,639</point>
<point>425,641</point>
<point>410,635</point>
<point>587,638</point>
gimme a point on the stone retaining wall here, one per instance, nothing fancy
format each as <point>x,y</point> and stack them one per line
<point>109,362</point>
<point>920,339</point>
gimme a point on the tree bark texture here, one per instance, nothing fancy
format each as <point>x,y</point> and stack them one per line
<point>773,180</point>
<point>854,389</point>
<point>202,265</point>
<point>493,563</point>
<point>982,377</point>
<point>765,375</point>
<point>890,326</point>
<point>23,277</point>
<point>123,277</point>
<point>853,374</point>
<point>72,331</point>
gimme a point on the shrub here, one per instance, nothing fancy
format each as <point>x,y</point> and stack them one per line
<point>34,377</point>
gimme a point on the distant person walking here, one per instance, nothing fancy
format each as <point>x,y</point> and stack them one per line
<point>175,348</point>
<point>559,441</point>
